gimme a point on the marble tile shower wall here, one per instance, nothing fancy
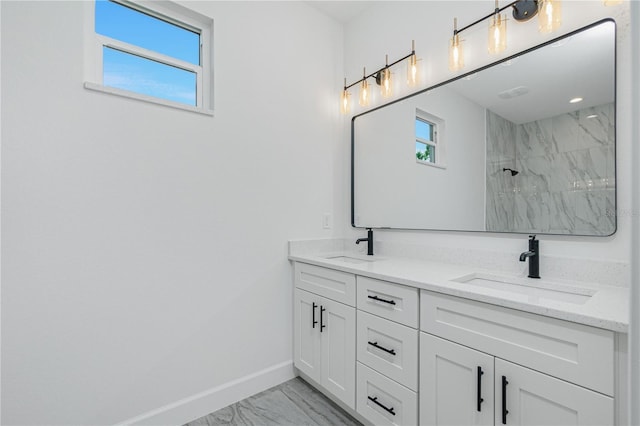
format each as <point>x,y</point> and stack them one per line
<point>566,179</point>
<point>501,154</point>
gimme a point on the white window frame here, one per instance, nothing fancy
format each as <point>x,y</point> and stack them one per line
<point>437,143</point>
<point>166,11</point>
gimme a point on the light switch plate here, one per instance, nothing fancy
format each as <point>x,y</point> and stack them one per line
<point>326,220</point>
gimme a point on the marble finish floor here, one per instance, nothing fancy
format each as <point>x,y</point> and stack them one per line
<point>293,403</point>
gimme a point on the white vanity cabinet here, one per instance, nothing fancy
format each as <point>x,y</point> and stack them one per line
<point>325,331</point>
<point>396,355</point>
<point>528,397</point>
<point>493,365</point>
<point>456,384</point>
<point>387,352</point>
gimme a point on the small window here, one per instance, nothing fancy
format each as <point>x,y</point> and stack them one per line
<point>429,143</point>
<point>158,52</point>
<point>425,141</point>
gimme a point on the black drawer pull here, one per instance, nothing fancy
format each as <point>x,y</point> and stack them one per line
<point>389,351</point>
<point>322,309</point>
<point>480,400</point>
<point>504,400</point>
<point>313,315</point>
<point>391,302</point>
<point>388,410</point>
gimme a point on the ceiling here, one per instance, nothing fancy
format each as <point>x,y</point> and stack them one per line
<point>542,82</point>
<point>342,11</point>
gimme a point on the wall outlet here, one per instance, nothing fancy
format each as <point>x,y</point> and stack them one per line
<point>326,220</point>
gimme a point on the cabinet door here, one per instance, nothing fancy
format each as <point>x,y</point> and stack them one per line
<point>306,339</point>
<point>531,398</point>
<point>456,384</point>
<point>338,336</point>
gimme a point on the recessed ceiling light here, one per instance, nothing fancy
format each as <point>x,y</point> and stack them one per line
<point>575,100</point>
<point>592,116</point>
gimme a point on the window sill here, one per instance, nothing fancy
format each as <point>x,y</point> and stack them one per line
<point>430,164</point>
<point>145,98</point>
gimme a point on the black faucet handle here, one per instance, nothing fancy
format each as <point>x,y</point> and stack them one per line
<point>532,237</point>
<point>370,241</point>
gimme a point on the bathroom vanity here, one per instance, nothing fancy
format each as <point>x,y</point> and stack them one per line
<point>400,341</point>
<point>405,340</point>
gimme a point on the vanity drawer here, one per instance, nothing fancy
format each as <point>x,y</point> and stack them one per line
<point>392,301</point>
<point>335,285</point>
<point>574,352</point>
<point>389,348</point>
<point>394,404</point>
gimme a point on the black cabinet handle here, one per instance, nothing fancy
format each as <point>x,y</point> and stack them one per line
<point>389,351</point>
<point>322,309</point>
<point>388,410</point>
<point>504,400</point>
<point>313,315</point>
<point>391,302</point>
<point>480,400</point>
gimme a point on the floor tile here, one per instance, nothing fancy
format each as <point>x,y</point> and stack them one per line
<point>293,403</point>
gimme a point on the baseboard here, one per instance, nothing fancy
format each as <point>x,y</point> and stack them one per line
<point>203,403</point>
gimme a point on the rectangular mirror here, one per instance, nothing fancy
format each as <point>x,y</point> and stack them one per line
<point>525,145</point>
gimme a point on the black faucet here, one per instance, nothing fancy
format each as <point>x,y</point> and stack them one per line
<point>534,257</point>
<point>369,241</point>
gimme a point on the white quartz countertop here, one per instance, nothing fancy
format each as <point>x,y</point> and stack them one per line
<point>607,308</point>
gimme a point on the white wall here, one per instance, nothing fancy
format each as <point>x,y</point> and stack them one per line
<point>144,248</point>
<point>388,28</point>
<point>393,190</point>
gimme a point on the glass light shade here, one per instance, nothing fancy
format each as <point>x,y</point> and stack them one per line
<point>344,102</point>
<point>497,33</point>
<point>456,54</point>
<point>412,70</point>
<point>549,15</point>
<point>385,83</point>
<point>364,94</point>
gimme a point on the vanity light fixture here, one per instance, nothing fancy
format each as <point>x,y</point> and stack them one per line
<point>456,51</point>
<point>412,66</point>
<point>382,78</point>
<point>549,19</point>
<point>344,100</point>
<point>497,32</point>
<point>549,15</point>
<point>385,76</point>
<point>364,90</point>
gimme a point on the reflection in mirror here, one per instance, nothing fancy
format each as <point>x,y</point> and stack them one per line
<point>524,146</point>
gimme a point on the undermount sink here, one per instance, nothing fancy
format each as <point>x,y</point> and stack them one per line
<point>529,290</point>
<point>349,259</point>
